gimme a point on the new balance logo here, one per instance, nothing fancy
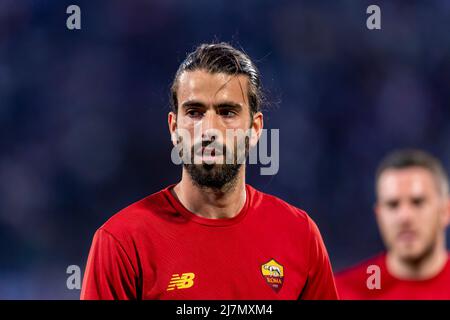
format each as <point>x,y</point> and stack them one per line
<point>185,281</point>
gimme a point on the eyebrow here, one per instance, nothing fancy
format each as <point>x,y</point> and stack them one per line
<point>196,103</point>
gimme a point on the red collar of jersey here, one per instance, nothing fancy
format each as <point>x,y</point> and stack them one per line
<point>207,221</point>
<point>392,277</point>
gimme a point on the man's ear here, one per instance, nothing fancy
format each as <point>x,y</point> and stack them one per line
<point>376,211</point>
<point>376,208</point>
<point>172,122</point>
<point>256,128</point>
<point>447,211</point>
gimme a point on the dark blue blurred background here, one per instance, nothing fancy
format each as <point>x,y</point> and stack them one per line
<point>83,114</point>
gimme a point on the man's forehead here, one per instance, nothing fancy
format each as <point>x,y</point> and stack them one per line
<point>410,180</point>
<point>201,84</point>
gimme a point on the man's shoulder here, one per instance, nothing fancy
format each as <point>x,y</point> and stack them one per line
<point>279,208</point>
<point>359,270</point>
<point>140,214</point>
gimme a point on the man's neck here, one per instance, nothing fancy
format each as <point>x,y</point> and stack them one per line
<point>423,269</point>
<point>210,203</point>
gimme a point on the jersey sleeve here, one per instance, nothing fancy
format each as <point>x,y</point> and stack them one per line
<point>320,284</point>
<point>109,273</point>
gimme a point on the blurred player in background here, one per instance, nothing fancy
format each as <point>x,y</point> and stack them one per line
<point>412,211</point>
<point>210,236</point>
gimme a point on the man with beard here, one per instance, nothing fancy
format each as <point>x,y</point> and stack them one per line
<point>210,236</point>
<point>412,212</point>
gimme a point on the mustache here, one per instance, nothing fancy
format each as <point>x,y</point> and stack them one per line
<point>236,153</point>
<point>219,148</point>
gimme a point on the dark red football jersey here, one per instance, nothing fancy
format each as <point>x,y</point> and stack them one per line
<point>352,284</point>
<point>157,249</point>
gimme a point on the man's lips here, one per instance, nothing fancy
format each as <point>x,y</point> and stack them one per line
<point>407,235</point>
<point>208,151</point>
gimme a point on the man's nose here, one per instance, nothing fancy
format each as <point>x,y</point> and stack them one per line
<point>209,126</point>
<point>405,213</point>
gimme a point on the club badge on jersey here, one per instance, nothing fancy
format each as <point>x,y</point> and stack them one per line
<point>273,273</point>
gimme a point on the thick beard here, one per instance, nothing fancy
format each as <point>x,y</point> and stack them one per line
<point>221,177</point>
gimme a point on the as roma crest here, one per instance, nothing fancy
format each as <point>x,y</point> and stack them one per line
<point>273,272</point>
